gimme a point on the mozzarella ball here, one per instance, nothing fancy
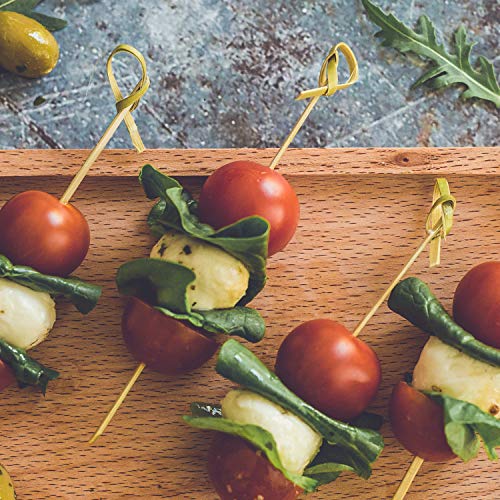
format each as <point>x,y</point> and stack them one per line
<point>297,443</point>
<point>26,316</point>
<point>444,368</point>
<point>221,280</point>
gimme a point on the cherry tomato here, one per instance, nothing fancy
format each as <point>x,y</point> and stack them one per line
<point>242,189</point>
<point>239,471</point>
<point>324,364</point>
<point>6,376</point>
<point>39,231</point>
<point>418,424</point>
<point>164,344</point>
<point>476,305</point>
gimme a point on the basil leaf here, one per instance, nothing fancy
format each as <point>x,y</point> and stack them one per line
<point>238,364</point>
<point>368,420</point>
<point>258,437</point>
<point>328,464</point>
<point>156,281</point>
<point>83,296</point>
<point>246,239</point>
<point>239,321</point>
<point>165,284</point>
<point>412,299</point>
<point>26,370</point>
<point>463,423</point>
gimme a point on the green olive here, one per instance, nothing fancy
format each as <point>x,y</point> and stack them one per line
<point>26,47</point>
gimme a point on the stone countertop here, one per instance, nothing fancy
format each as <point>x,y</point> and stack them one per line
<point>224,74</point>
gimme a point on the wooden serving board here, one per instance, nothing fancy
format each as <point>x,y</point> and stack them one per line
<point>363,212</point>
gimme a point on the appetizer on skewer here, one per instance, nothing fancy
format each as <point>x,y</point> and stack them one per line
<point>453,401</point>
<point>196,283</point>
<point>43,240</point>
<point>272,444</point>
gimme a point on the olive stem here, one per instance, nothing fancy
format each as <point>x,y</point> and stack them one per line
<point>118,402</point>
<point>7,3</point>
<point>431,235</point>
<point>405,484</point>
<point>294,132</point>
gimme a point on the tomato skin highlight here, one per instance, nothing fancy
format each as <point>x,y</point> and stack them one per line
<point>7,377</point>
<point>476,304</point>
<point>40,232</point>
<point>324,364</point>
<point>239,471</point>
<point>243,188</point>
<point>418,424</point>
<point>164,344</point>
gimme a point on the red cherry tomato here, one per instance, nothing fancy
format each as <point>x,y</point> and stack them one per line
<point>418,424</point>
<point>476,305</point>
<point>163,343</point>
<point>244,188</point>
<point>324,364</point>
<point>239,471</point>
<point>6,376</point>
<point>39,231</point>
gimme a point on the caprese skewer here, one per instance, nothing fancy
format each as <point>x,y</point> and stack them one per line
<point>452,402</point>
<point>43,240</point>
<point>271,443</point>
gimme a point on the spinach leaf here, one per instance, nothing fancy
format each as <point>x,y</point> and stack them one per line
<point>260,438</point>
<point>361,446</point>
<point>83,296</point>
<point>463,423</point>
<point>165,284</point>
<point>26,370</point>
<point>246,239</point>
<point>413,300</point>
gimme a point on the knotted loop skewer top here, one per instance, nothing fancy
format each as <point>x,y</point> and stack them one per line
<point>328,76</point>
<point>440,218</point>
<point>131,101</point>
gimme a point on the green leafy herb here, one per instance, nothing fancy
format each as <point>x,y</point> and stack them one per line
<point>328,464</point>
<point>246,240</point>
<point>448,68</point>
<point>412,299</point>
<point>164,284</point>
<point>464,424</point>
<point>26,370</point>
<point>39,101</point>
<point>83,296</point>
<point>259,437</point>
<point>26,7</point>
<point>360,446</point>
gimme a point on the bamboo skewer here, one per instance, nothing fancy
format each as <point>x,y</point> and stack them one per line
<point>405,484</point>
<point>107,419</point>
<point>328,85</point>
<point>124,107</point>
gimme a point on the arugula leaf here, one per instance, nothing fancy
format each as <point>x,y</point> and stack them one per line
<point>165,284</point>
<point>447,69</point>
<point>26,370</point>
<point>413,299</point>
<point>26,7</point>
<point>463,423</point>
<point>246,239</point>
<point>83,296</point>
<point>360,446</point>
<point>259,437</point>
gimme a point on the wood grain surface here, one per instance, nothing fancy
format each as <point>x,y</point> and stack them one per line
<point>361,219</point>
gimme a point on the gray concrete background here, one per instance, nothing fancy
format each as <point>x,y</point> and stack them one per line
<point>224,74</point>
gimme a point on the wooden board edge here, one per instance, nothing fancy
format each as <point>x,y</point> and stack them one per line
<point>312,161</point>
